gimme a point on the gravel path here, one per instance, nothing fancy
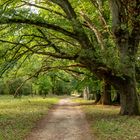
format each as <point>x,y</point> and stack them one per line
<point>65,122</point>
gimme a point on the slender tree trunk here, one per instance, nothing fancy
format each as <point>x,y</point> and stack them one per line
<point>86,93</point>
<point>117,98</point>
<point>97,96</point>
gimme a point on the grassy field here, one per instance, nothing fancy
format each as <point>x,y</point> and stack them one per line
<point>106,124</point>
<point>18,116</point>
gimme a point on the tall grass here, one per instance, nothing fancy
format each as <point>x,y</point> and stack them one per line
<point>18,116</point>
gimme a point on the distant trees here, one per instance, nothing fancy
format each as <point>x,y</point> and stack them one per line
<point>80,32</point>
<point>9,87</point>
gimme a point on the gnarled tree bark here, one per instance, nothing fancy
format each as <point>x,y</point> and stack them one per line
<point>125,12</point>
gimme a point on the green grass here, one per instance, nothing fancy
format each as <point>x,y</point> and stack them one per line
<point>107,124</point>
<point>80,100</point>
<point>19,116</point>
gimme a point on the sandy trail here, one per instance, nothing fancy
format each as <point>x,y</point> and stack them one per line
<point>65,122</point>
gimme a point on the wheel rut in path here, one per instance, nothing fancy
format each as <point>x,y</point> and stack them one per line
<point>65,122</point>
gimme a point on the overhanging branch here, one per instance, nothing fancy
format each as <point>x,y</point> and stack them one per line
<point>38,24</point>
<point>55,55</point>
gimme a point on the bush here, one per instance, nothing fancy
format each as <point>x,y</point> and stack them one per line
<point>3,88</point>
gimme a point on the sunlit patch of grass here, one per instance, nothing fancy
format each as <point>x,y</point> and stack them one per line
<point>80,100</point>
<point>18,116</point>
<point>107,124</point>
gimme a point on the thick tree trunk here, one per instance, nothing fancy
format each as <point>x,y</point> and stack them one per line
<point>127,42</point>
<point>106,97</point>
<point>130,104</point>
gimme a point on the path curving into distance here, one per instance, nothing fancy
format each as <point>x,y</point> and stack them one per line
<point>65,122</point>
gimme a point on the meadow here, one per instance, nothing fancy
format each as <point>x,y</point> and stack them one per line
<point>19,115</point>
<point>107,124</point>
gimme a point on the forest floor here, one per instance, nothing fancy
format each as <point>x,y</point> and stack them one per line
<point>65,121</point>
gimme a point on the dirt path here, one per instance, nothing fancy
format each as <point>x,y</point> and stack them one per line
<point>65,122</point>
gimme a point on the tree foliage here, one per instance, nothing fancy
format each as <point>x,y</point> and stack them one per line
<point>69,34</point>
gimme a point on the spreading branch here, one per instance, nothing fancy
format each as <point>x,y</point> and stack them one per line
<point>94,29</point>
<point>31,49</point>
<point>39,24</point>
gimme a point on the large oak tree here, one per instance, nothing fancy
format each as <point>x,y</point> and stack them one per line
<point>80,31</point>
